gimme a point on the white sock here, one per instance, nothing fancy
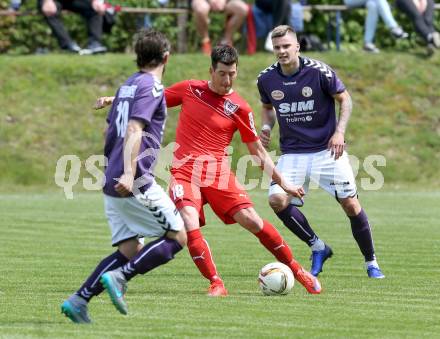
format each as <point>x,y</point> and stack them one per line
<point>371,263</point>
<point>318,245</point>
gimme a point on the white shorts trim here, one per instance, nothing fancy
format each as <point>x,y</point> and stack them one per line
<point>151,214</point>
<point>313,170</point>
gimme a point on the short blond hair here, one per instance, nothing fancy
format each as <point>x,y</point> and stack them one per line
<point>281,31</point>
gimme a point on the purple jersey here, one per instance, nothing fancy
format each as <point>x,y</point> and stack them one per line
<point>140,98</point>
<point>304,104</point>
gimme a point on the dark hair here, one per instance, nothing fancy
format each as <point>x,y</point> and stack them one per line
<point>150,47</point>
<point>225,54</point>
<point>281,31</point>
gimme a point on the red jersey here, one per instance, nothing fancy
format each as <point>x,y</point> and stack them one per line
<point>207,120</point>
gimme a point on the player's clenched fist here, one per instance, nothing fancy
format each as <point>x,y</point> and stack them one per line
<point>125,185</point>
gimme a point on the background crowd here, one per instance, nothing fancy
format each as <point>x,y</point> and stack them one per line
<point>235,21</point>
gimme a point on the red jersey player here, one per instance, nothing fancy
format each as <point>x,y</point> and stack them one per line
<point>211,112</point>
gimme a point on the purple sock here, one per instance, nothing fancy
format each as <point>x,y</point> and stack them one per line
<point>152,255</point>
<point>296,222</point>
<point>361,230</point>
<point>92,285</point>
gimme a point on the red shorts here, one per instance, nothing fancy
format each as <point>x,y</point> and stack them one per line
<point>225,195</point>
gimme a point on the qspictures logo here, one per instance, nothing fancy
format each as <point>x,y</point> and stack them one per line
<point>69,167</point>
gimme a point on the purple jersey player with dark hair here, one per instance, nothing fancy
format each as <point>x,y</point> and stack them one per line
<point>300,94</point>
<point>135,205</point>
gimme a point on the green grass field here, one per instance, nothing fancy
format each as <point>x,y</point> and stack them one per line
<point>49,244</point>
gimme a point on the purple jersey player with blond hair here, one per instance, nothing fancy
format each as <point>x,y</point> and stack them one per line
<point>135,205</point>
<point>300,94</point>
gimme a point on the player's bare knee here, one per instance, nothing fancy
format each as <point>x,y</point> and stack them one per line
<point>129,248</point>
<point>249,219</point>
<point>179,236</point>
<point>351,206</point>
<point>278,202</point>
<point>190,218</point>
<point>253,223</point>
<point>139,246</point>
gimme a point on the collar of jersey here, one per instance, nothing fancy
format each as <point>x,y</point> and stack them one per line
<point>301,64</point>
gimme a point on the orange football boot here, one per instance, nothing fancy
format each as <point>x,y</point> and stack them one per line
<point>217,289</point>
<point>310,282</point>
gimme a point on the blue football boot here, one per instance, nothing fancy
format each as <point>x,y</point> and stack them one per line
<point>318,259</point>
<point>75,308</point>
<point>375,272</point>
<point>116,285</point>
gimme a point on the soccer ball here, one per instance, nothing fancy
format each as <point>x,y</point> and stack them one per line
<point>276,279</point>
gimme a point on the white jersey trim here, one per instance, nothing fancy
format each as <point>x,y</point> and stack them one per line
<point>267,69</point>
<point>320,66</point>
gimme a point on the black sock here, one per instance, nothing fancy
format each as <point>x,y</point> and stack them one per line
<point>361,230</point>
<point>92,286</point>
<point>298,224</point>
<point>152,255</point>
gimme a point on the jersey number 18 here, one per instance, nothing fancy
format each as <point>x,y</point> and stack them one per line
<point>122,118</point>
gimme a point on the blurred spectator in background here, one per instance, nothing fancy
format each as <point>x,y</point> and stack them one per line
<point>268,14</point>
<point>91,10</point>
<point>376,9</point>
<point>14,5</point>
<point>235,11</point>
<point>421,13</point>
<point>280,10</point>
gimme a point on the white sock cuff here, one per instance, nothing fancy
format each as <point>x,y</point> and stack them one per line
<point>371,263</point>
<point>318,245</point>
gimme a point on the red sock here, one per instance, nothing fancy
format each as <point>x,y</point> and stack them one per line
<point>201,255</point>
<point>274,242</point>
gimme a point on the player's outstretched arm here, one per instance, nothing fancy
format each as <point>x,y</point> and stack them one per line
<point>257,150</point>
<point>268,119</point>
<point>103,102</point>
